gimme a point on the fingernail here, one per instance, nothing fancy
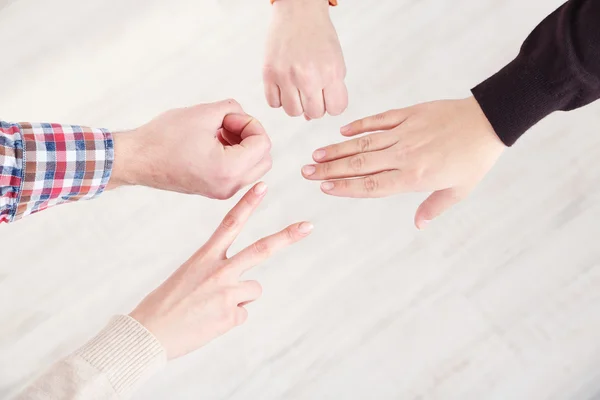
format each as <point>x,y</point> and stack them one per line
<point>345,129</point>
<point>306,117</point>
<point>423,224</point>
<point>305,227</point>
<point>260,188</point>
<point>319,154</point>
<point>308,170</point>
<point>327,185</point>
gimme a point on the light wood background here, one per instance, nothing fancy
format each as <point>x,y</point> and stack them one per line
<point>499,299</point>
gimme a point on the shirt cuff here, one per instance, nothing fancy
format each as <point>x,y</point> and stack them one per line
<point>62,163</point>
<point>516,98</point>
<point>126,353</point>
<point>11,169</point>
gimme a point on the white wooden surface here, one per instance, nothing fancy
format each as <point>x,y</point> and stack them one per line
<point>499,299</point>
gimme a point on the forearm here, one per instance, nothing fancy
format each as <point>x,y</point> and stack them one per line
<point>42,165</point>
<point>110,366</point>
<point>558,68</point>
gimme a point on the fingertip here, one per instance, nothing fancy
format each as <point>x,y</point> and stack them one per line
<point>335,111</point>
<point>308,170</point>
<point>421,222</point>
<point>327,186</point>
<point>346,130</point>
<point>305,228</point>
<point>260,188</point>
<point>319,154</point>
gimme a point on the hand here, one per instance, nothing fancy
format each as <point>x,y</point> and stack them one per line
<point>304,68</point>
<point>208,149</point>
<point>205,298</point>
<point>444,147</point>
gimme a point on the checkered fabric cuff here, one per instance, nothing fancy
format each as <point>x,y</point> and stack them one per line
<point>11,169</point>
<point>53,164</point>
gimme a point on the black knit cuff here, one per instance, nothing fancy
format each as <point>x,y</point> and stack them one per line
<point>515,99</point>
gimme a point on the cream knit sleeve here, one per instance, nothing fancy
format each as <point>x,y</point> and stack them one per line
<point>110,366</point>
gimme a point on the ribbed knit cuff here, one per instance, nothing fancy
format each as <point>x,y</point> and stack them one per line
<point>126,352</point>
<point>516,98</point>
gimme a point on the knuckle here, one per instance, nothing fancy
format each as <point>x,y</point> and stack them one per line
<point>258,289</point>
<point>315,112</point>
<point>379,117</point>
<point>293,111</point>
<point>357,163</point>
<point>229,222</point>
<point>269,71</point>
<point>364,144</point>
<point>232,102</point>
<point>289,234</point>
<point>336,109</point>
<point>269,164</point>
<point>371,184</point>
<point>342,184</point>
<point>268,145</point>
<point>260,247</point>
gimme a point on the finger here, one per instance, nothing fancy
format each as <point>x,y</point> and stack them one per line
<point>259,170</point>
<point>243,125</point>
<point>234,221</point>
<point>290,100</point>
<point>353,166</point>
<point>336,98</point>
<point>272,94</point>
<point>229,137</point>
<point>246,292</point>
<point>254,144</point>
<point>379,185</point>
<point>313,103</point>
<point>266,247</point>
<point>372,142</point>
<point>384,121</point>
<point>221,138</point>
<point>435,205</point>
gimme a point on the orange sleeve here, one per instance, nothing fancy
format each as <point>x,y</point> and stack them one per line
<point>331,2</point>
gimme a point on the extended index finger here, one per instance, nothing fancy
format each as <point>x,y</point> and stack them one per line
<point>266,247</point>
<point>235,219</point>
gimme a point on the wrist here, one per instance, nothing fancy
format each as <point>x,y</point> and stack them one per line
<point>127,161</point>
<point>485,126</point>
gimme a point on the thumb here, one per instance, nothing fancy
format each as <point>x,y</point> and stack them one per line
<point>435,205</point>
<point>254,142</point>
<point>243,125</point>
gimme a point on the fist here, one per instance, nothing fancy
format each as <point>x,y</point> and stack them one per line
<point>304,67</point>
<point>208,149</point>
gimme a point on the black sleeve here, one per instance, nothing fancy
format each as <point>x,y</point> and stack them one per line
<point>558,68</point>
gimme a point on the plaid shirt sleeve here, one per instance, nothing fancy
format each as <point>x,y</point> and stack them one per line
<point>42,165</point>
